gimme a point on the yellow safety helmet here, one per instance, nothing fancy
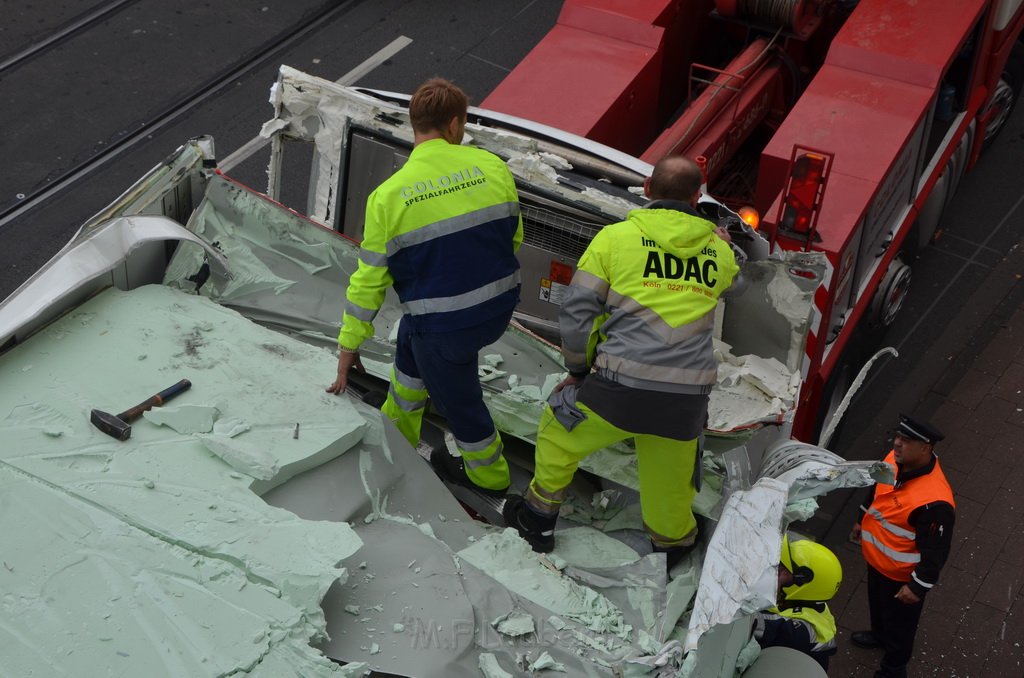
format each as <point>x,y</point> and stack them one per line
<point>816,571</point>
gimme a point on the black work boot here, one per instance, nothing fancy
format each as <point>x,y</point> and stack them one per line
<point>452,470</point>
<point>676,553</point>
<point>865,639</point>
<point>537,529</point>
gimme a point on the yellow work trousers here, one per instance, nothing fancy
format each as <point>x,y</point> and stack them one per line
<point>483,460</point>
<point>664,466</point>
<point>407,398</point>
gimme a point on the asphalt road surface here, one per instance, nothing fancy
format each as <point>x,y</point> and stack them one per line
<point>102,91</point>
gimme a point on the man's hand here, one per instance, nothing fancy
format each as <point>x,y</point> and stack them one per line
<point>723,233</point>
<point>855,533</point>
<point>906,596</point>
<point>346,360</point>
<point>568,381</point>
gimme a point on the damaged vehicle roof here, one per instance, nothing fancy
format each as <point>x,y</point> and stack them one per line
<point>259,525</point>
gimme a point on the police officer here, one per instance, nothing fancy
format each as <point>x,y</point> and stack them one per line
<point>636,329</point>
<point>905,536</point>
<point>809,576</point>
<point>443,231</point>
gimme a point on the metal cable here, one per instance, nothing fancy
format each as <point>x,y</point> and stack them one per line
<point>772,12</point>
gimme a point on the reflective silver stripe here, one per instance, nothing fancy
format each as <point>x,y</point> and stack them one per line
<point>589,281</point>
<point>486,461</point>
<point>573,358</point>
<point>913,576</point>
<point>408,382</point>
<point>451,225</point>
<point>671,335</point>
<point>664,373</point>
<point>544,502</point>
<point>667,542</point>
<point>889,527</point>
<point>464,300</point>
<point>478,446</point>
<point>913,430</point>
<point>356,311</point>
<point>554,497</point>
<point>372,258</point>
<point>404,403</point>
<point>828,645</point>
<point>898,556</point>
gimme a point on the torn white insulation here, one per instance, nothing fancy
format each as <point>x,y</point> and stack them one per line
<point>739,572</point>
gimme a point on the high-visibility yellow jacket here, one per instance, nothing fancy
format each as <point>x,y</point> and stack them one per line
<point>641,305</point>
<point>444,230</point>
<point>888,540</point>
<point>811,629</point>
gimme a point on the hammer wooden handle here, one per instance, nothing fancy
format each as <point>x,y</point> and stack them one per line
<point>157,400</point>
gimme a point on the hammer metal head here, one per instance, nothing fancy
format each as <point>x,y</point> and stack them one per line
<point>111,424</point>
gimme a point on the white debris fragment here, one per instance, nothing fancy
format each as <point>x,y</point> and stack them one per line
<point>230,427</point>
<point>546,662</point>
<point>251,460</point>
<point>514,624</point>
<point>488,373</point>
<point>490,668</point>
<point>352,610</point>
<point>507,558</point>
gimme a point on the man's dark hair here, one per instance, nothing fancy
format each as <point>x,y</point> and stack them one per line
<point>435,103</point>
<point>675,178</point>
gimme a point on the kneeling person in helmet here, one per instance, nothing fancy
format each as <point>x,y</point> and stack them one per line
<point>809,575</point>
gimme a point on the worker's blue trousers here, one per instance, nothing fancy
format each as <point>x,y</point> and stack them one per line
<point>444,365</point>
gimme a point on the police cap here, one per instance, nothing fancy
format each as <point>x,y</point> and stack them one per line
<point>918,429</point>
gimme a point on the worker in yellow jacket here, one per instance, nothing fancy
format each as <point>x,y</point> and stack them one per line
<point>443,231</point>
<point>636,329</point>
<point>809,577</point>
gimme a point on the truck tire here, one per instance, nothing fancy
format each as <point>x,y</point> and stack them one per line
<point>923,230</point>
<point>889,296</point>
<point>1006,95</point>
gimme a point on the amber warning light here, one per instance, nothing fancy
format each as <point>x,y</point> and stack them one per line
<point>749,216</point>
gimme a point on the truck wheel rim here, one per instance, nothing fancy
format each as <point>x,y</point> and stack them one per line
<point>1002,102</point>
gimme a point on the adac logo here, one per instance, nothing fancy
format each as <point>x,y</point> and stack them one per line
<point>670,267</point>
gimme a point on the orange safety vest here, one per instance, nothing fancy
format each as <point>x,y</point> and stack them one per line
<point>887,537</point>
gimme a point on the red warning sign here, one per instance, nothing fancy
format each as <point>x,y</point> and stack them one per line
<point>561,273</point>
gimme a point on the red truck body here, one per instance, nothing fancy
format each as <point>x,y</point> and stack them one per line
<point>899,96</point>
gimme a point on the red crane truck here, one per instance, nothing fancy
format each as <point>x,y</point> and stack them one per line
<point>845,125</point>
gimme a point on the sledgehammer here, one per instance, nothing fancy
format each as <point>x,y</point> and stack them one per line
<point>119,426</point>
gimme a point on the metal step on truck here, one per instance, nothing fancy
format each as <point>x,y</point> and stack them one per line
<point>256,524</point>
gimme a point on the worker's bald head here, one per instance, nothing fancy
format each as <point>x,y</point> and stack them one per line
<point>674,178</point>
